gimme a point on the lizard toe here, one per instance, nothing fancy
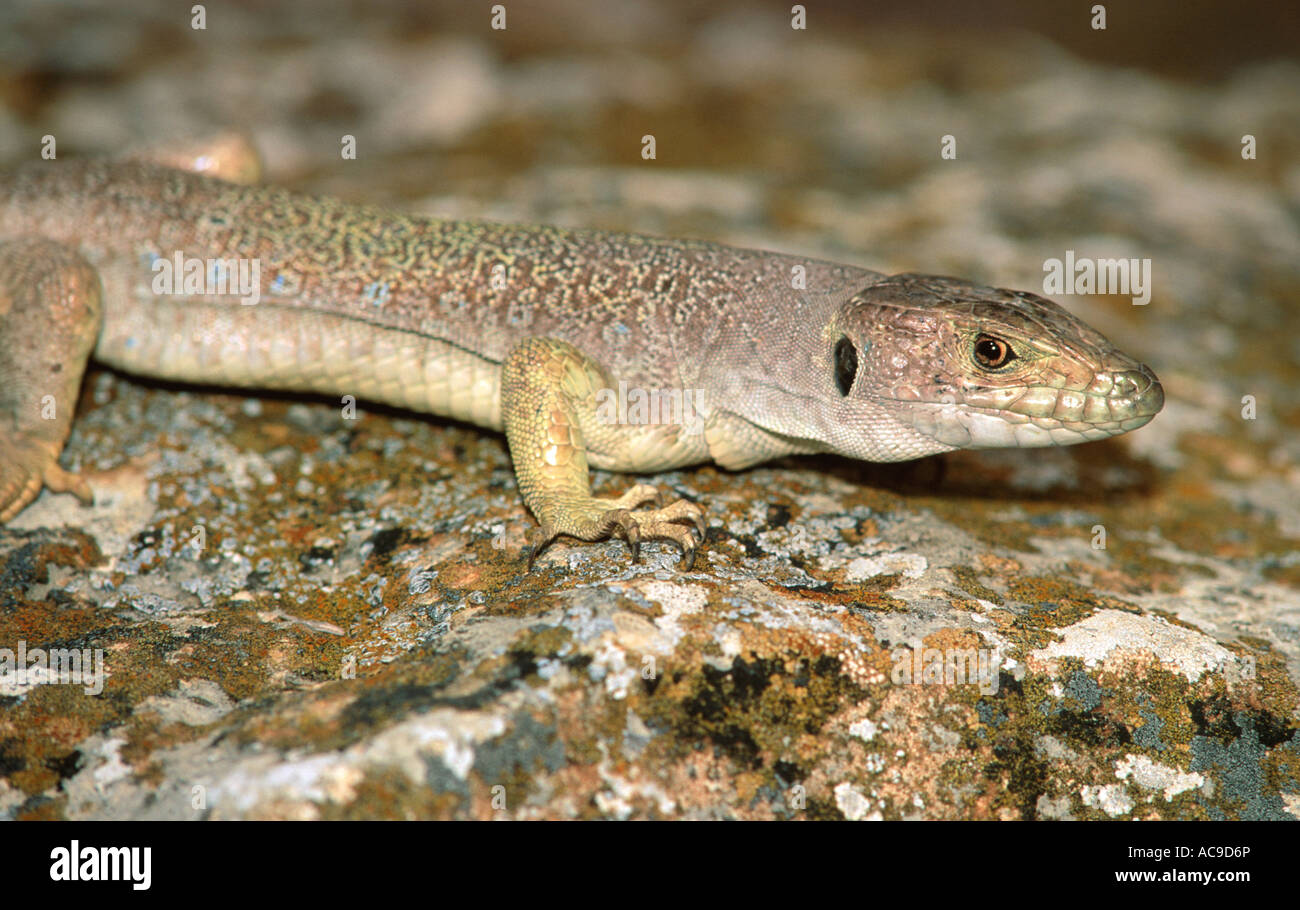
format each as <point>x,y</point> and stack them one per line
<point>684,537</point>
<point>635,497</point>
<point>666,523</point>
<point>61,481</point>
<point>26,466</point>
<point>17,488</point>
<point>682,510</point>
<point>626,525</point>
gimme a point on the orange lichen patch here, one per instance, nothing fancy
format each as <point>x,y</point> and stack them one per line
<point>862,667</point>
<point>927,728</point>
<point>954,639</point>
<point>1284,575</point>
<point>1000,566</point>
<point>1160,575</point>
<point>52,810</point>
<point>391,795</point>
<point>1058,591</point>
<point>32,561</point>
<point>1134,663</point>
<point>463,576</point>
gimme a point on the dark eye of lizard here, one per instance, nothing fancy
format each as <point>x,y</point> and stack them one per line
<point>846,365</point>
<point>991,353</point>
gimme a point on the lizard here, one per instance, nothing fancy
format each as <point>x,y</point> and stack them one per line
<point>526,330</point>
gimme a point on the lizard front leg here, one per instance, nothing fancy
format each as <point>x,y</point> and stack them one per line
<point>50,300</point>
<point>548,396</point>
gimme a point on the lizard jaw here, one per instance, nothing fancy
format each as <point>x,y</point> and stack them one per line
<point>1045,416</point>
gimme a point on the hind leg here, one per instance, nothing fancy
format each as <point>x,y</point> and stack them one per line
<point>50,310</point>
<point>229,156</point>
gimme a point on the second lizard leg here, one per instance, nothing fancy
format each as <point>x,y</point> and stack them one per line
<point>548,393</point>
<point>228,156</point>
<point>49,320</point>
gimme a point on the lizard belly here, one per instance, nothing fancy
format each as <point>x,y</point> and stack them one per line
<point>663,448</point>
<point>296,348</point>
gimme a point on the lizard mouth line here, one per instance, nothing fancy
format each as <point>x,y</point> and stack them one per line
<point>980,426</point>
<point>1141,408</point>
<point>1104,427</point>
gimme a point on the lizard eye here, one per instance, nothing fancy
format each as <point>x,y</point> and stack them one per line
<point>992,353</point>
<point>846,364</point>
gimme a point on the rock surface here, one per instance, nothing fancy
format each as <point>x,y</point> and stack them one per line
<point>302,615</point>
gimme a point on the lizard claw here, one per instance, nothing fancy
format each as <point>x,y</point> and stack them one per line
<point>700,526</point>
<point>632,534</point>
<point>539,540</point>
<point>687,562</point>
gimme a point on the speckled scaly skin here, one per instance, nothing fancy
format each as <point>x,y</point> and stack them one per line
<point>524,329</point>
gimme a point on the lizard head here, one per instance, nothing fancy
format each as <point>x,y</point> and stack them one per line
<point>958,366</point>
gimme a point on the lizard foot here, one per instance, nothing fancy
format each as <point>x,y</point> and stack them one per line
<point>26,466</point>
<point>600,518</point>
<point>50,316</point>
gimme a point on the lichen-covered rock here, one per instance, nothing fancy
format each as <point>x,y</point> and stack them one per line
<point>299,615</point>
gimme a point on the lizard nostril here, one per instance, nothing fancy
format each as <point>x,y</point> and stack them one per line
<point>1142,390</point>
<point>1125,384</point>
